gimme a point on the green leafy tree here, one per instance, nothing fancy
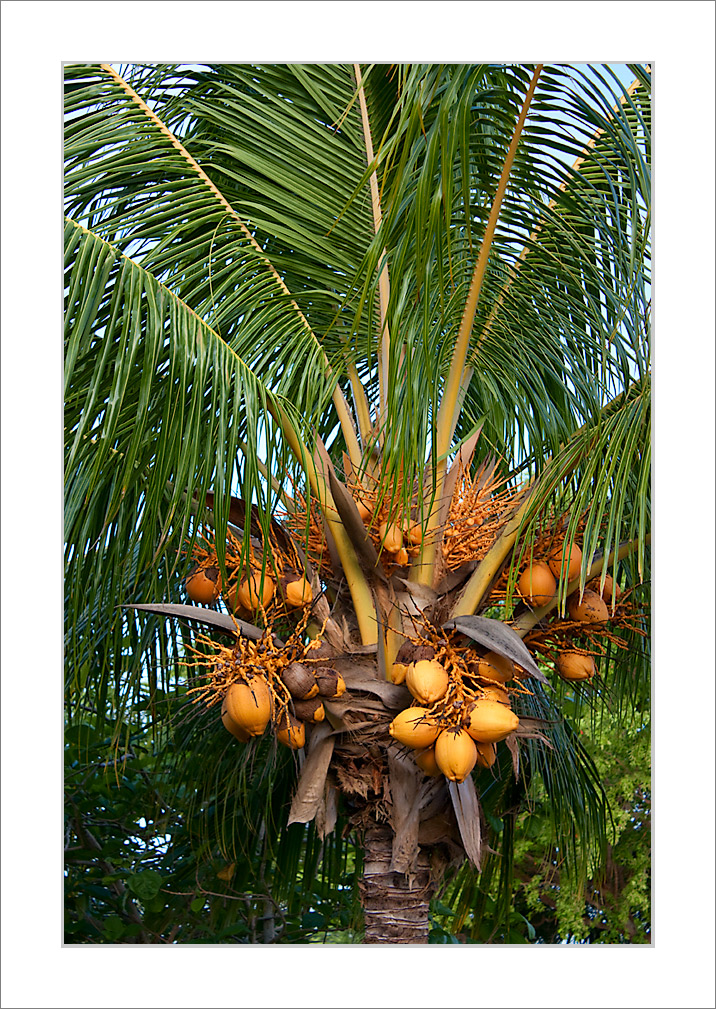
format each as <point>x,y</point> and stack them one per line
<point>380,334</point>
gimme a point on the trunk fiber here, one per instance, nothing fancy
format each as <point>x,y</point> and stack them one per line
<point>395,905</point>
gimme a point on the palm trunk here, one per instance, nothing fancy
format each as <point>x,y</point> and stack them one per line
<point>395,905</point>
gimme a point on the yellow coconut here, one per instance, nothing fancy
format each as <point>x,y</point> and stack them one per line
<point>494,666</point>
<point>495,693</point>
<point>291,732</point>
<point>249,705</point>
<point>455,754</point>
<point>427,763</point>
<point>402,557</point>
<point>231,726</point>
<point>363,510</point>
<point>486,754</point>
<point>427,681</point>
<point>203,586</point>
<point>391,537</point>
<point>537,585</point>
<point>415,727</point>
<point>571,563</point>
<point>575,666</point>
<point>414,534</point>
<point>250,591</point>
<point>606,592</point>
<point>397,673</point>
<point>591,610</point>
<point>490,721</point>
<point>299,593</point>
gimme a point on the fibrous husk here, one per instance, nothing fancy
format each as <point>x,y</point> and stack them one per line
<point>330,682</point>
<point>300,681</point>
<point>310,711</point>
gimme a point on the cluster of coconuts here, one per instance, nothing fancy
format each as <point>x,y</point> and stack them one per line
<point>248,705</point>
<point>452,749</point>
<point>204,586</point>
<point>538,586</point>
<point>400,541</point>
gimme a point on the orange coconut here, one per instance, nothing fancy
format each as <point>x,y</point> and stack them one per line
<point>490,721</point>
<point>537,585</point>
<point>249,705</point>
<point>299,593</point>
<point>455,754</point>
<point>609,588</point>
<point>414,727</point>
<point>427,681</point>
<point>414,534</point>
<point>591,610</point>
<point>229,724</point>
<point>291,732</point>
<point>486,754</point>
<point>571,563</point>
<point>363,510</point>
<point>391,537</point>
<point>495,693</point>
<point>250,593</point>
<point>494,666</point>
<point>427,763</point>
<point>575,666</point>
<point>203,586</point>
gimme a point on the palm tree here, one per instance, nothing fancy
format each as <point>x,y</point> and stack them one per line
<point>378,336</point>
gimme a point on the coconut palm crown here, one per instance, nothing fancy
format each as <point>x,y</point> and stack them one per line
<point>361,346</point>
